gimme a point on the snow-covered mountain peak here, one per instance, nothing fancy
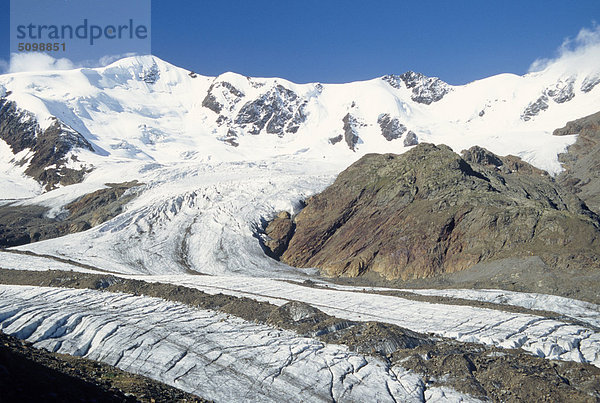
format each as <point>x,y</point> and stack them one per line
<point>145,110</point>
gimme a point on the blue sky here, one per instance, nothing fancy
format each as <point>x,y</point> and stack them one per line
<point>340,41</point>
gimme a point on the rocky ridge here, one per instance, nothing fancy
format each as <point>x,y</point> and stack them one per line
<point>425,90</point>
<point>561,92</point>
<point>46,159</point>
<point>280,110</point>
<point>582,160</point>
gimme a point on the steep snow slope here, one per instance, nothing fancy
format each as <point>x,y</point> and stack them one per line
<point>145,109</point>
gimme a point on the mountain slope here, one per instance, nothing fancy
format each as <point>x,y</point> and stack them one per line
<point>581,161</point>
<point>144,109</point>
<point>429,211</point>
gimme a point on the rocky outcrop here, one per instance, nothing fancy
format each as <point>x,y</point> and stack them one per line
<point>278,234</point>
<point>48,148</point>
<point>431,211</point>
<point>150,75</point>
<point>582,160</point>
<point>279,111</point>
<point>425,90</point>
<point>534,108</point>
<point>411,139</point>
<point>20,225</point>
<point>391,128</point>
<point>351,131</point>
<point>221,93</point>
<point>507,164</point>
<point>590,82</point>
<point>561,92</point>
<point>336,139</point>
<point>48,164</point>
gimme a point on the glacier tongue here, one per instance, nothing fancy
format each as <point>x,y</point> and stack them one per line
<point>544,337</point>
<point>203,352</point>
<point>200,218</point>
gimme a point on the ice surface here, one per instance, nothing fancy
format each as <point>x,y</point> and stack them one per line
<point>194,218</point>
<point>580,310</point>
<point>541,336</point>
<point>549,338</point>
<point>203,352</point>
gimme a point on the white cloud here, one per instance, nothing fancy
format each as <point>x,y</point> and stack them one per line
<point>586,42</point>
<point>20,62</point>
<point>37,62</point>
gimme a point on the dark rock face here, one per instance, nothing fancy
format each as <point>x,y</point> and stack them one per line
<point>231,138</point>
<point>391,128</point>
<point>429,211</point>
<point>226,91</point>
<point>350,131</point>
<point>393,80</point>
<point>17,128</point>
<point>210,102</point>
<point>534,108</point>
<point>336,139</point>
<point>280,110</point>
<point>480,155</point>
<point>279,232</point>
<point>20,225</point>
<point>411,139</point>
<point>52,145</point>
<point>507,165</point>
<point>150,75</point>
<point>589,83</point>
<point>582,160</point>
<point>561,92</point>
<point>425,90</point>
<point>49,147</point>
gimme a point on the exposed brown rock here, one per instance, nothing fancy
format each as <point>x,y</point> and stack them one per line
<point>502,375</point>
<point>279,232</point>
<point>21,225</point>
<point>582,160</point>
<point>48,148</point>
<point>429,211</point>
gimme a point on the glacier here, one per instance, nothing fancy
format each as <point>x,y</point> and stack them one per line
<point>211,171</point>
<point>203,352</point>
